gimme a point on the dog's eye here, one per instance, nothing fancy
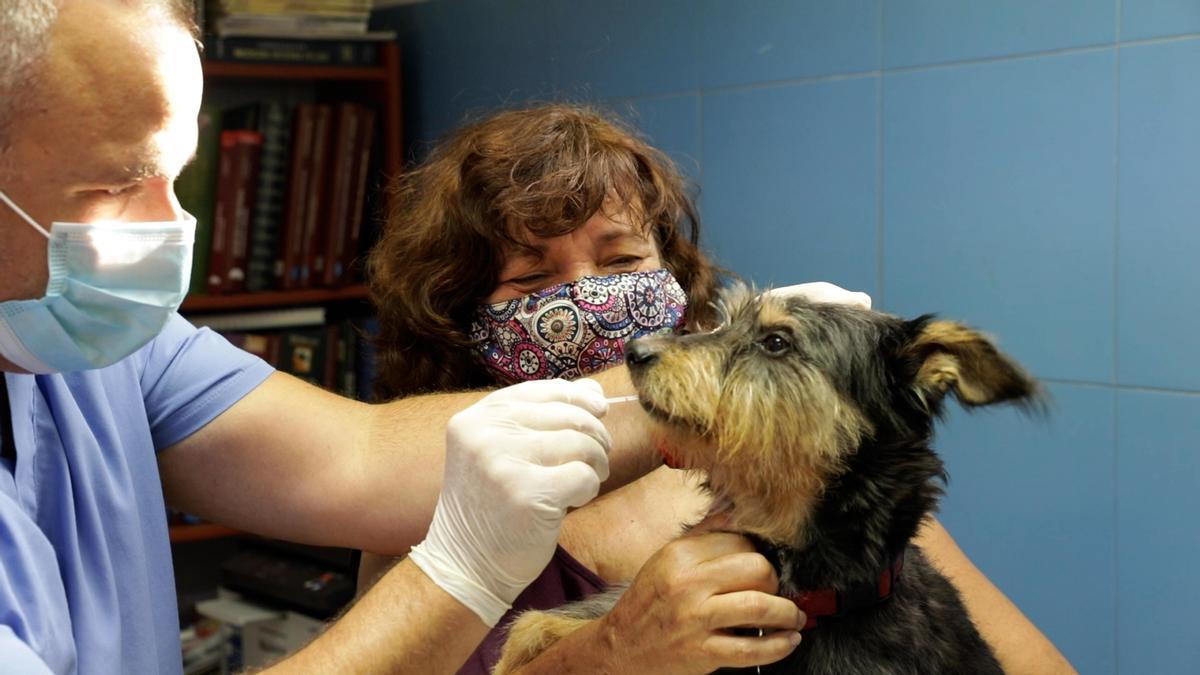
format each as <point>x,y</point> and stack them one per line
<point>775,343</point>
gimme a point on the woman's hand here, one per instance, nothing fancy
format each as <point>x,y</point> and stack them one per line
<point>676,616</point>
<point>823,291</point>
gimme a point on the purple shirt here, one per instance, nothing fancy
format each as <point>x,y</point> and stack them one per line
<point>564,580</point>
<point>86,583</point>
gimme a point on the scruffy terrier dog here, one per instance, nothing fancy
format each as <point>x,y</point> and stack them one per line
<point>813,424</point>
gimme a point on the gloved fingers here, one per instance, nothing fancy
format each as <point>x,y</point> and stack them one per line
<point>584,393</point>
<point>555,448</point>
<point>569,485</point>
<point>556,416</point>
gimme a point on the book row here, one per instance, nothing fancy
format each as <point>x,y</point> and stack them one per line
<point>338,357</point>
<point>280,194</point>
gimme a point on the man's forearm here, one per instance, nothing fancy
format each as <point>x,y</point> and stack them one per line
<point>402,464</point>
<point>405,624</point>
<point>293,462</point>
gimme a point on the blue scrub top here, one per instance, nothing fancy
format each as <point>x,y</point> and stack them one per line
<point>86,583</point>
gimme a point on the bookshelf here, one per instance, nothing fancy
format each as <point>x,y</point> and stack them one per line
<point>271,299</point>
<point>377,86</point>
<point>182,534</point>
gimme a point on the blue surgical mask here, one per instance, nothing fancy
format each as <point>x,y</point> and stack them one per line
<point>112,288</point>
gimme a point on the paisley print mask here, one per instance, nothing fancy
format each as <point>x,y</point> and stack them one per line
<point>573,329</point>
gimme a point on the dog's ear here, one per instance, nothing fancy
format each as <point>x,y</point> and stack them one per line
<point>946,356</point>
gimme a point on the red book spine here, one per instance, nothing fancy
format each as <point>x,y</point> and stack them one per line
<point>249,151</point>
<point>358,197</point>
<point>291,236</point>
<point>344,159</point>
<point>318,193</point>
<point>223,213</point>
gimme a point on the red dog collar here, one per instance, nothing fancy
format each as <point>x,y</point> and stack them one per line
<point>668,458</point>
<point>828,602</point>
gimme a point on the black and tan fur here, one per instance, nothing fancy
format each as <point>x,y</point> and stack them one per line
<point>813,424</point>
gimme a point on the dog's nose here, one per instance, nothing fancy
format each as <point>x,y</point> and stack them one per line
<point>640,353</point>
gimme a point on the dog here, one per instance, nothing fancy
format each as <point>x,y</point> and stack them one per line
<point>813,424</point>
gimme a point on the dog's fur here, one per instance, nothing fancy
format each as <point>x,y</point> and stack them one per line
<point>813,423</point>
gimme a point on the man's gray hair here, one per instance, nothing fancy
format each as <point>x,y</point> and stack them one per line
<point>24,25</point>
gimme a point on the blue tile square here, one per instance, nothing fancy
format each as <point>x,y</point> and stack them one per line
<point>998,205</point>
<point>1142,19</point>
<point>921,32</point>
<point>625,48</point>
<point>1158,476</point>
<point>789,190</point>
<point>744,43</point>
<point>1031,502</point>
<point>465,58</point>
<point>1159,241</point>
<point>671,124</point>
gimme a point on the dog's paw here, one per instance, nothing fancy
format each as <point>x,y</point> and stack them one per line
<point>531,634</point>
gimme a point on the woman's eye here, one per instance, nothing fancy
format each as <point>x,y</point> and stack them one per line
<point>625,261</point>
<point>775,343</point>
<point>527,279</point>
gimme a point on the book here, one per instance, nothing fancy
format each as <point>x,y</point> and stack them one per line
<point>295,50</point>
<point>363,170</point>
<point>302,353</point>
<point>291,235</point>
<point>318,191</point>
<point>196,190</point>
<point>249,150</point>
<point>224,211</point>
<point>328,263</point>
<point>272,119</point>
<point>262,345</point>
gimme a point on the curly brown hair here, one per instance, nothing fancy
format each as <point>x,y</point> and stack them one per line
<point>542,171</point>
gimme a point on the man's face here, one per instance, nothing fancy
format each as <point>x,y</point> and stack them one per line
<point>111,124</point>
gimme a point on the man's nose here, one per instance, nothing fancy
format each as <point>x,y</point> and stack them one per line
<point>157,202</point>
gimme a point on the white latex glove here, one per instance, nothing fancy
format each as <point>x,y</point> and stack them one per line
<point>823,291</point>
<point>515,461</point>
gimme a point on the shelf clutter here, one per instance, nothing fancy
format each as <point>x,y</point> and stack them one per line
<point>280,196</point>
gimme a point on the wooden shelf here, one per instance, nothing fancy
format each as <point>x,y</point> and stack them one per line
<point>201,532</point>
<point>239,301</point>
<point>285,71</point>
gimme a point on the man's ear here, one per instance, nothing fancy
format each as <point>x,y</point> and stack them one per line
<point>948,356</point>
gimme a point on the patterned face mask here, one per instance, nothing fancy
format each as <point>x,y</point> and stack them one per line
<point>576,328</point>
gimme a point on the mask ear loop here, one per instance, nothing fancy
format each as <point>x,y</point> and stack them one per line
<point>25,216</point>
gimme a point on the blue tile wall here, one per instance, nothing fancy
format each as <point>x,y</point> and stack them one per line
<point>614,48</point>
<point>1158,472</point>
<point>998,204</point>
<point>789,182</point>
<point>1159,236</point>
<point>1026,165</point>
<point>1031,501</point>
<point>1143,19</point>
<point>922,32</point>
<point>671,124</point>
<point>784,39</point>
